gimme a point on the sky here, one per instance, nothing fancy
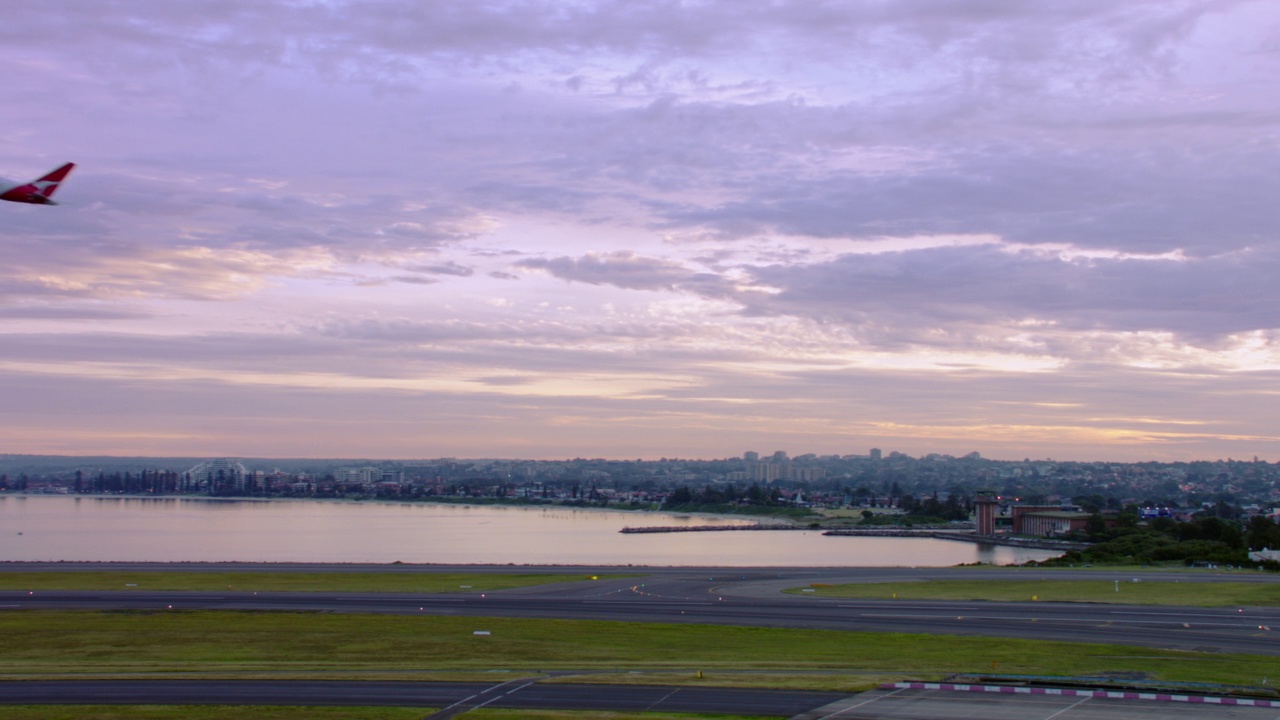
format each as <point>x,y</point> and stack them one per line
<point>679,228</point>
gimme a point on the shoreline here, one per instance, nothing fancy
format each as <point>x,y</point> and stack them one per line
<point>390,501</point>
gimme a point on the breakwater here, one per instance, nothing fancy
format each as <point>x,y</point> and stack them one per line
<point>961,536</point>
<point>708,528</point>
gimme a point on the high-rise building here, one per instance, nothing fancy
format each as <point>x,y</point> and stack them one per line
<point>875,453</point>
<point>751,456</point>
<point>766,472</point>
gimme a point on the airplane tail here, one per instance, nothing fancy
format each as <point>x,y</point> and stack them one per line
<point>37,192</point>
<point>46,185</point>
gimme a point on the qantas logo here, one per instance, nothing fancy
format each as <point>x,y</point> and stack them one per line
<point>36,192</point>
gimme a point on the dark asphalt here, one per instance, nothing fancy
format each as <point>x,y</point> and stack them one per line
<point>424,695</point>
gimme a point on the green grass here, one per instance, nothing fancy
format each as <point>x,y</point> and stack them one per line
<point>415,582</point>
<point>246,644</point>
<point>1147,592</point>
<point>207,712</point>
<point>834,680</point>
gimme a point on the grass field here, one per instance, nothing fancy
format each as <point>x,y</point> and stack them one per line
<point>245,644</point>
<point>1097,591</point>
<point>427,582</point>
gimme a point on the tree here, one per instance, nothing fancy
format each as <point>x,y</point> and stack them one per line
<point>1095,527</point>
<point>1262,533</point>
<point>680,496</point>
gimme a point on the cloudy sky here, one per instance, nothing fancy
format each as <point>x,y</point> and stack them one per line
<point>606,228</point>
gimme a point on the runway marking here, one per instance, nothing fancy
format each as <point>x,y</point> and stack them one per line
<point>183,598</point>
<point>971,617</point>
<point>662,699</point>
<point>842,711</point>
<point>1086,693</point>
<point>444,712</point>
<point>1072,706</point>
<point>499,697</point>
<point>469,697</point>
<point>645,604</point>
<point>1173,614</point>
<point>1006,618</point>
<point>395,599</point>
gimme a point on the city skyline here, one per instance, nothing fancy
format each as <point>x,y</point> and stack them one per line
<point>605,229</point>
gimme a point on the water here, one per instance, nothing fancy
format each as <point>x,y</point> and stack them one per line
<point>52,528</point>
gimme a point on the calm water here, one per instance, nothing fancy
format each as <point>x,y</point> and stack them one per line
<point>172,529</point>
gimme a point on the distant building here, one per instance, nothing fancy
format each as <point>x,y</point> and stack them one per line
<point>875,454</point>
<point>223,474</point>
<point>359,476</point>
<point>750,456</point>
<point>809,474</point>
<point>985,507</point>
<point>766,472</point>
<point>1019,512</point>
<point>1051,523</point>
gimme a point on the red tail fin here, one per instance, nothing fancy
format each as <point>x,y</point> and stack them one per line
<point>38,192</point>
<point>53,179</point>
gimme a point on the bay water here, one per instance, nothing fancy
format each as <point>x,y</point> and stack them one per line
<point>130,529</point>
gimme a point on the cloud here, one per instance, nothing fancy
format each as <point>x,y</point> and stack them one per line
<point>832,222</point>
<point>447,268</point>
<point>70,312</point>
<point>123,271</point>
<point>628,270</point>
<point>990,283</point>
<point>414,280</point>
<point>388,35</point>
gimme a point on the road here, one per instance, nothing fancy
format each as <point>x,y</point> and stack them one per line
<point>752,598</point>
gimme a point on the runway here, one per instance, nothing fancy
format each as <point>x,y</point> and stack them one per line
<point>549,696</point>
<point>735,597</point>
<point>884,704</point>
<point>717,596</point>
